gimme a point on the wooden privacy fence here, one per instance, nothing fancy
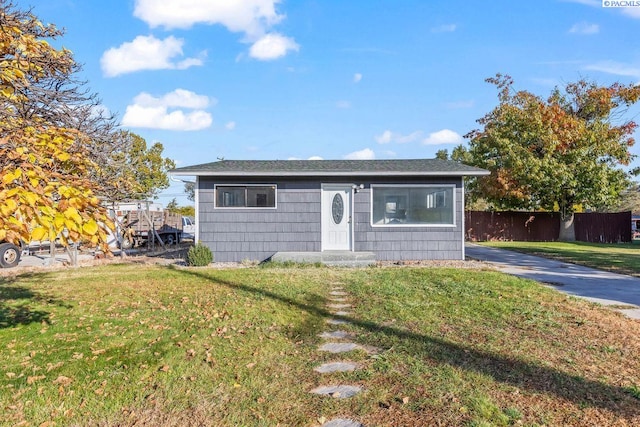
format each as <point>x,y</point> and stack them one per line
<point>545,226</point>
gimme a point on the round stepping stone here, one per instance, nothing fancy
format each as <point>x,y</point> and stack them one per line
<point>337,391</point>
<point>339,347</point>
<point>342,313</point>
<point>339,305</point>
<point>338,299</point>
<point>342,422</point>
<point>335,335</point>
<point>338,293</point>
<point>337,321</point>
<point>327,368</point>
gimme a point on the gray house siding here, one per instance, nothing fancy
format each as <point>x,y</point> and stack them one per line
<point>235,235</point>
<point>294,225</point>
<point>408,243</point>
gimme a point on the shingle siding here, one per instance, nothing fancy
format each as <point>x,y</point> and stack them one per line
<point>295,225</point>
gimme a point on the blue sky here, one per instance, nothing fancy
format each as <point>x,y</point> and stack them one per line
<point>331,79</point>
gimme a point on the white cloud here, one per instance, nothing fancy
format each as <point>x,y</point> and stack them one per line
<point>148,111</point>
<point>366,154</point>
<point>272,46</point>
<point>178,98</point>
<point>616,68</point>
<point>633,12</point>
<point>357,77</point>
<point>385,137</point>
<point>230,125</point>
<point>146,53</point>
<point>446,28</point>
<point>388,136</point>
<point>252,17</point>
<point>343,104</point>
<point>584,28</point>
<point>444,136</point>
<point>310,158</point>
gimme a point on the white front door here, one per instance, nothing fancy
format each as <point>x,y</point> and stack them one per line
<point>336,217</point>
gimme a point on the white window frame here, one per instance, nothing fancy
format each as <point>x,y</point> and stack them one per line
<point>215,196</point>
<point>421,225</point>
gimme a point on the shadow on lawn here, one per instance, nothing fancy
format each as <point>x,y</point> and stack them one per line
<point>16,304</point>
<point>510,371</point>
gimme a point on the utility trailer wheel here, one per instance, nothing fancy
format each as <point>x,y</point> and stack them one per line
<point>170,239</point>
<point>9,255</point>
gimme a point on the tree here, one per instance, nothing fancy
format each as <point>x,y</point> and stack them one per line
<point>190,189</point>
<point>129,170</point>
<point>172,206</point>
<point>554,153</point>
<point>45,190</point>
<point>442,154</point>
<point>629,200</point>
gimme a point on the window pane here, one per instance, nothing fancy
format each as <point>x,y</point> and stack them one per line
<point>412,205</point>
<point>241,196</point>
<point>231,197</point>
<point>262,197</point>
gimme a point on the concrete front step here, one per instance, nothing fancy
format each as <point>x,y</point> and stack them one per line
<point>330,258</point>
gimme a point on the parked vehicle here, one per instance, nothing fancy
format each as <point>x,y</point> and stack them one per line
<point>9,254</point>
<point>144,222</point>
<point>188,228</point>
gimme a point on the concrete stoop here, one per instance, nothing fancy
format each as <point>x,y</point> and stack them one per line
<point>329,258</point>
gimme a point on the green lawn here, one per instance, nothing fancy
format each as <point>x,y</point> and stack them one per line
<point>620,258</point>
<point>154,345</point>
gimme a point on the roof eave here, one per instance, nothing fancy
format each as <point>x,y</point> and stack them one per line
<point>327,173</point>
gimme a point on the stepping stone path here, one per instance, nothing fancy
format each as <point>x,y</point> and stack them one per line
<point>328,368</point>
<point>338,304</point>
<point>340,422</point>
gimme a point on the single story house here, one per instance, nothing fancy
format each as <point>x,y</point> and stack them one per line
<point>393,209</point>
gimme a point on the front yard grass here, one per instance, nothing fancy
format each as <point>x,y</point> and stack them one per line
<point>621,258</point>
<point>154,345</point>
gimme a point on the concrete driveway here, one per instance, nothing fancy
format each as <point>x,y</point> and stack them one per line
<point>599,286</point>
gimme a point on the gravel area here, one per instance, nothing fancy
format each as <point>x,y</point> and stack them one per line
<point>176,257</point>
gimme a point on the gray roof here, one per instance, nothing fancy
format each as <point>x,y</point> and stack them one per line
<point>408,167</point>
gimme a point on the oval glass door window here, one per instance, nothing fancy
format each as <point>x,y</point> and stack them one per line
<point>337,208</point>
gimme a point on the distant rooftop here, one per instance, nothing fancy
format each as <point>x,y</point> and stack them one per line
<point>405,167</point>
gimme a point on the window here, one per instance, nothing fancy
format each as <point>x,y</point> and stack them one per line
<point>245,196</point>
<point>412,205</point>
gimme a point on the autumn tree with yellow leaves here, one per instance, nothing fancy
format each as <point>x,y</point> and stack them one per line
<point>45,165</point>
<point>557,153</point>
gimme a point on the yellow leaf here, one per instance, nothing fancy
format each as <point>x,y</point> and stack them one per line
<point>8,207</point>
<point>90,227</point>
<point>38,233</point>
<point>71,212</point>
<point>70,225</point>
<point>31,198</point>
<point>8,178</point>
<point>63,157</point>
<point>58,221</point>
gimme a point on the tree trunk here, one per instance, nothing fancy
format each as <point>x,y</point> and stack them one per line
<point>567,229</point>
